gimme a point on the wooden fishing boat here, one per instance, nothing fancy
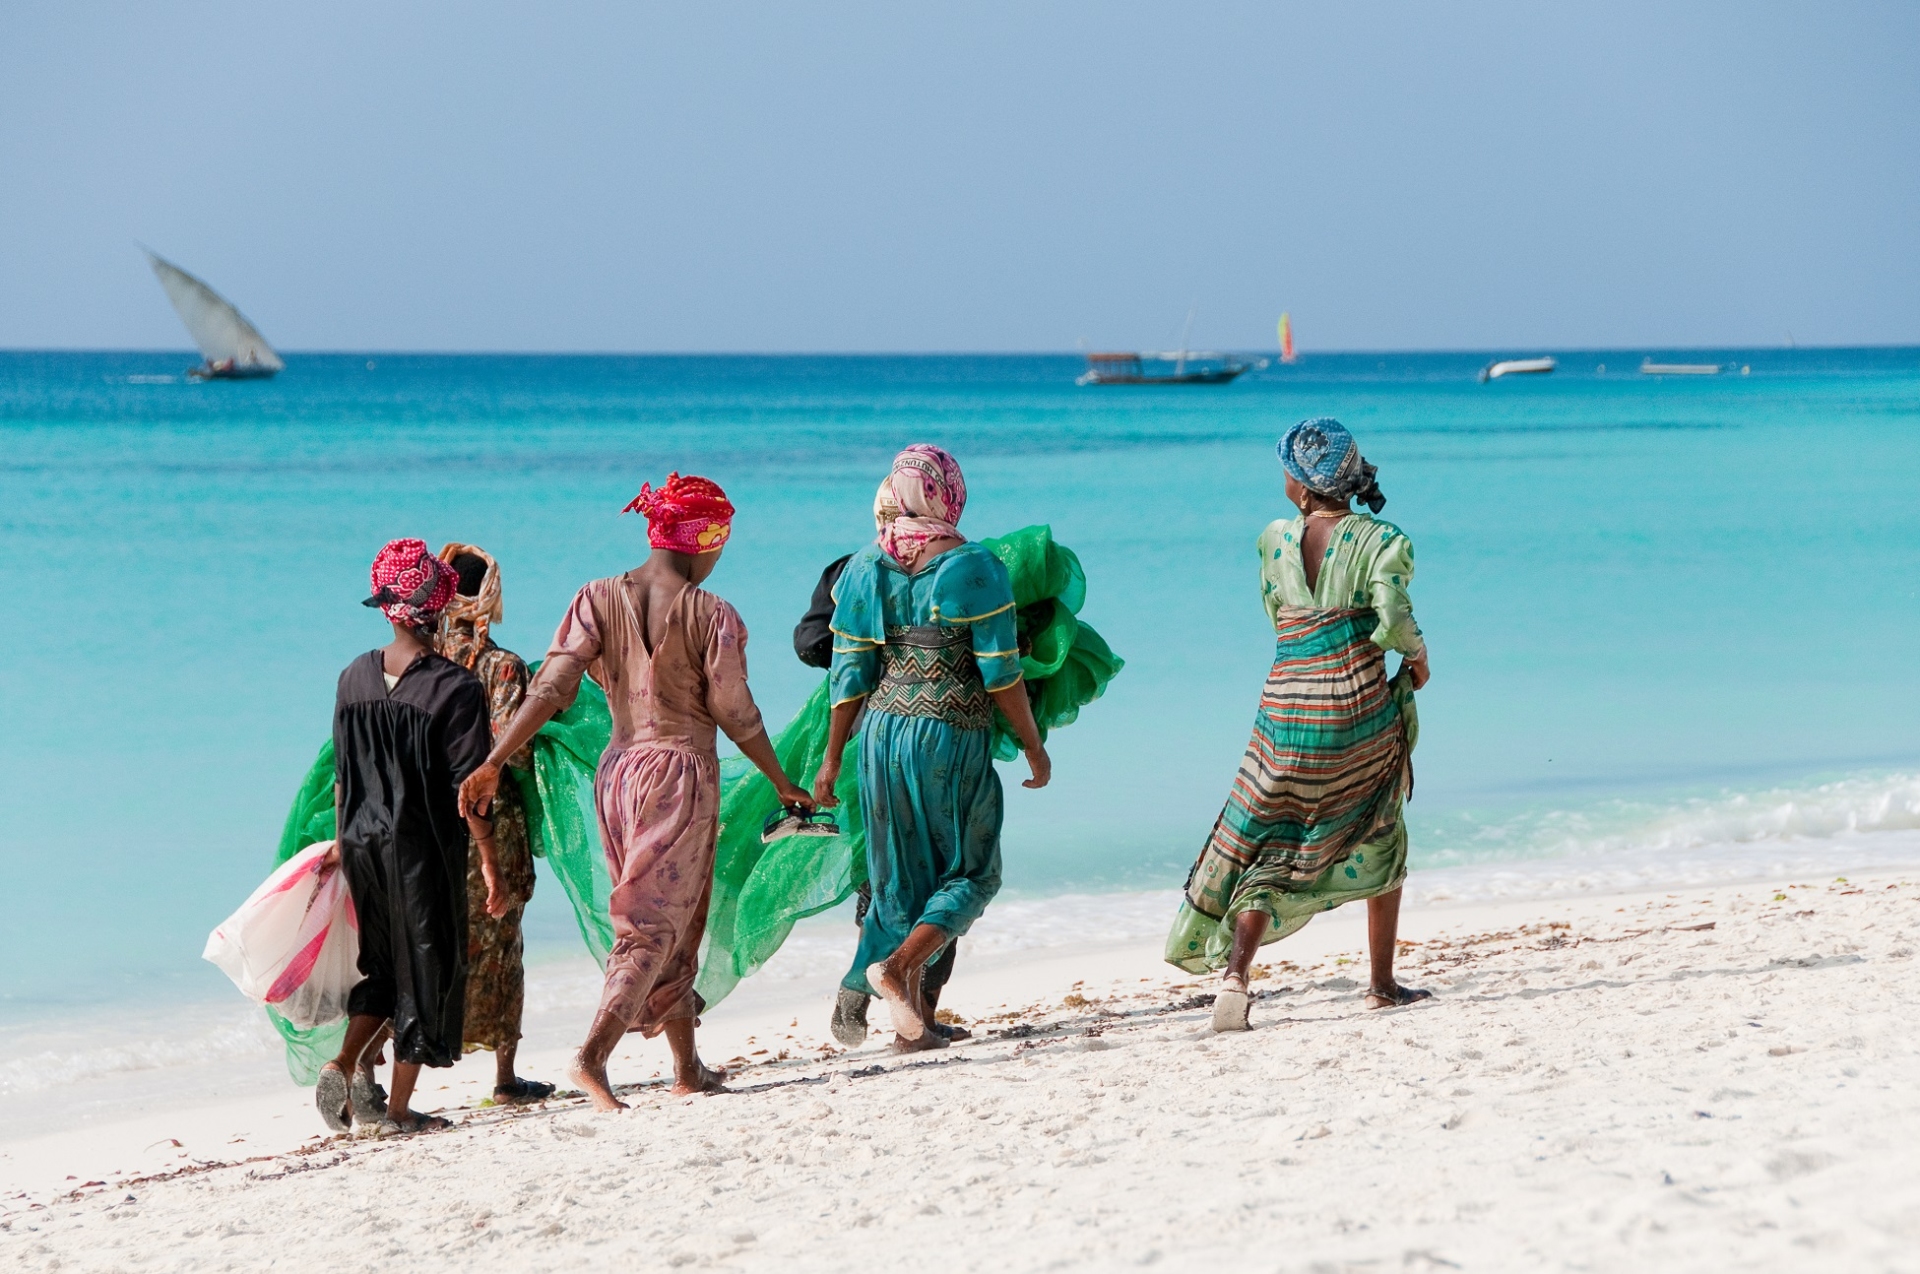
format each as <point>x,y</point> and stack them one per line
<point>231,347</point>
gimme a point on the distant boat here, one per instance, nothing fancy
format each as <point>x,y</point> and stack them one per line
<point>1286,339</point>
<point>1132,369</point>
<point>1650,368</point>
<point>1516,367</point>
<point>232,347</point>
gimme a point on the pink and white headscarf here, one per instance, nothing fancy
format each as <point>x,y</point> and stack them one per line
<point>931,494</point>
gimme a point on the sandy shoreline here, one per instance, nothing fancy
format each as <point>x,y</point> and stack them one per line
<point>1698,1080</point>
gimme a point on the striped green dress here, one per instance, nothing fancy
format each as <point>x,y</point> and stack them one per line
<point>1313,818</point>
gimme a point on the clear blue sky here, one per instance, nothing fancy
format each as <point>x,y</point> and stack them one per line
<point>979,176</point>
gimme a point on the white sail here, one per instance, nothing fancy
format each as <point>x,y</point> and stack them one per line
<point>221,332</point>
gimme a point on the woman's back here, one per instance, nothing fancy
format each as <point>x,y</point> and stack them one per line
<point>1367,562</point>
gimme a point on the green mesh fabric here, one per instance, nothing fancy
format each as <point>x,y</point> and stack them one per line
<point>1067,664</point>
<point>761,890</point>
<point>560,815</point>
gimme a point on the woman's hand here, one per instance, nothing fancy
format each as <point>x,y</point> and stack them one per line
<point>329,862</point>
<point>1418,670</point>
<point>477,792</point>
<point>823,783</point>
<point>1042,766</point>
<point>496,896</point>
<point>795,797</point>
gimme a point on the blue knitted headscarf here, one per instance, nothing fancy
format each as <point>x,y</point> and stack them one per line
<point>1323,457</point>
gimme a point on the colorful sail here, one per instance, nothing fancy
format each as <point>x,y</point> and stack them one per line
<point>1286,338</point>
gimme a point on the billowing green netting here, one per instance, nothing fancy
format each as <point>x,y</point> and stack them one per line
<point>560,820</point>
<point>759,891</point>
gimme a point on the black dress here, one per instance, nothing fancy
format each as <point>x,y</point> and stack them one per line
<point>399,757</point>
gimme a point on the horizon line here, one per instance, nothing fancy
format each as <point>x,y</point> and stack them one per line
<point>1489,351</point>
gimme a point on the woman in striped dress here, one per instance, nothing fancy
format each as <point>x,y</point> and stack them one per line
<point>1314,816</point>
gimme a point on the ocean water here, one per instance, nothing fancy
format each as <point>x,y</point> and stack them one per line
<point>1672,620</point>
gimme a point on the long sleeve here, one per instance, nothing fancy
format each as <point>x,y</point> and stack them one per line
<point>996,644</point>
<point>728,698</point>
<point>859,630</point>
<point>465,731</point>
<point>576,645</point>
<point>1388,581</point>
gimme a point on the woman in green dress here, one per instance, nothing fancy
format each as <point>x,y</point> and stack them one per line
<point>925,635</point>
<point>1314,816</point>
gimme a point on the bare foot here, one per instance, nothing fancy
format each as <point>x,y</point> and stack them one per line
<point>705,1079</point>
<point>931,1040</point>
<point>592,1080</point>
<point>893,989</point>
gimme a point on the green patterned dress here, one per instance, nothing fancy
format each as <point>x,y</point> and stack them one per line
<point>1314,816</point>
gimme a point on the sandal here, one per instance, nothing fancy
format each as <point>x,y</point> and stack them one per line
<point>330,1096</point>
<point>850,1018</point>
<point>419,1123</point>
<point>369,1100</point>
<point>522,1092</point>
<point>907,1023</point>
<point>1233,1007</point>
<point>1396,997</point>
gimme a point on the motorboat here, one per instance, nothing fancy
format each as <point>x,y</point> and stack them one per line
<point>1516,367</point>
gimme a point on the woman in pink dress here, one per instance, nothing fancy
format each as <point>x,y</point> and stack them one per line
<point>672,659</point>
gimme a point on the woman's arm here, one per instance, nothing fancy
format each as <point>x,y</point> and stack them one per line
<point>839,728</point>
<point>477,791</point>
<point>1013,702</point>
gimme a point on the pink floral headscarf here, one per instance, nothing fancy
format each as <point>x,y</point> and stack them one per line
<point>926,483</point>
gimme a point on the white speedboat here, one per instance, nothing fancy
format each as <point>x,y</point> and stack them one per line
<point>1516,367</point>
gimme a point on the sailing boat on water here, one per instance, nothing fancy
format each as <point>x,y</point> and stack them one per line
<point>232,347</point>
<point>1286,338</point>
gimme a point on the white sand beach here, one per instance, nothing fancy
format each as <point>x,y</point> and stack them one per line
<point>1706,1080</point>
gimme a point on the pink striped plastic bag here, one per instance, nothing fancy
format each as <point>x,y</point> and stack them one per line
<point>294,945</point>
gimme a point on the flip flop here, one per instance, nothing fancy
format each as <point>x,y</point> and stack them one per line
<point>330,1096</point>
<point>1232,1009</point>
<point>792,820</point>
<point>850,1017</point>
<point>522,1092</point>
<point>419,1123</point>
<point>907,1023</point>
<point>948,1031</point>
<point>369,1100</point>
<point>1398,997</point>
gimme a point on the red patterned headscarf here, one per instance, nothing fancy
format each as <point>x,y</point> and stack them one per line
<point>686,515</point>
<point>410,585</point>
<point>931,494</point>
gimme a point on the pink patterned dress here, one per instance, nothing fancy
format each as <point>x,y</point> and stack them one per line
<point>657,792</point>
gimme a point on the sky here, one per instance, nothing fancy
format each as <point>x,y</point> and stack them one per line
<point>982,176</point>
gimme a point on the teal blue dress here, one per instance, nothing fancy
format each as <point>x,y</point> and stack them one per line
<point>924,650</point>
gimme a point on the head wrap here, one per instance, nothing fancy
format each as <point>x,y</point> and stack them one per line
<point>886,505</point>
<point>410,585</point>
<point>467,619</point>
<point>1323,457</point>
<point>686,515</point>
<point>926,483</point>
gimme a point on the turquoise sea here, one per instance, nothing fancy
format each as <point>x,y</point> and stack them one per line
<point>1672,619</point>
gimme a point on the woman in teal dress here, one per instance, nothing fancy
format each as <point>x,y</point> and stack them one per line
<point>925,637</point>
<point>1314,816</point>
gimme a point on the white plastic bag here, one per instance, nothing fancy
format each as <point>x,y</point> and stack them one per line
<point>295,943</point>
